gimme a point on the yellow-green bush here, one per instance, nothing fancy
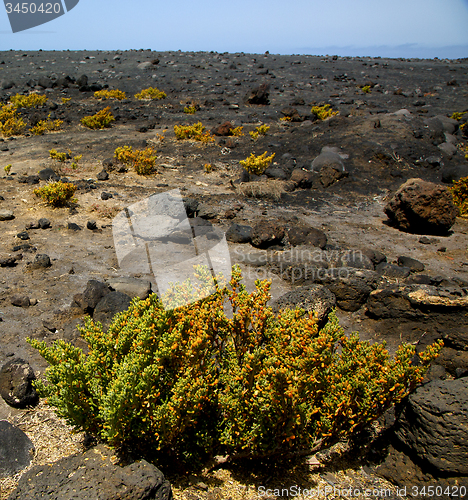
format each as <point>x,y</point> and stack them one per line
<point>257,164</point>
<point>110,94</point>
<point>102,119</point>
<point>261,130</point>
<point>192,382</point>
<point>323,112</point>
<point>151,93</point>
<point>142,161</point>
<point>44,126</point>
<point>56,194</point>
<point>366,89</point>
<point>28,101</point>
<point>458,115</point>
<point>7,168</point>
<point>11,122</point>
<point>195,131</point>
<point>237,131</point>
<point>190,110</point>
<point>460,195</point>
<point>55,155</point>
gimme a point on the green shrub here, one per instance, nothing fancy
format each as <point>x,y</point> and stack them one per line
<point>28,101</point>
<point>192,382</point>
<point>257,164</point>
<point>190,110</point>
<point>110,94</point>
<point>151,93</point>
<point>142,161</point>
<point>102,119</point>
<point>55,155</point>
<point>56,194</point>
<point>460,195</point>
<point>323,112</point>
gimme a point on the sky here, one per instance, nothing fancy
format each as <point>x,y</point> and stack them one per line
<point>386,28</point>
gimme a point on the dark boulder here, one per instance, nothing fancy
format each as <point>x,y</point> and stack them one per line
<point>94,292</point>
<point>98,478</point>
<point>112,304</point>
<point>259,95</point>
<point>16,449</point>
<point>422,207</point>
<point>16,377</point>
<point>266,234</point>
<point>433,425</point>
<point>239,233</point>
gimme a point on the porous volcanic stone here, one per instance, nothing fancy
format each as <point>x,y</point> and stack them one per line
<point>312,298</point>
<point>92,475</point>
<point>109,306</point>
<point>422,207</point>
<point>16,449</point>
<point>16,388</point>
<point>433,425</point>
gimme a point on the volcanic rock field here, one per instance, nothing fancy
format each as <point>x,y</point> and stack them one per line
<point>322,222</point>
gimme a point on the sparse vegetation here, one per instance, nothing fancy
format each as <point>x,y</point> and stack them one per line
<point>102,119</point>
<point>7,169</point>
<point>195,132</point>
<point>65,100</point>
<point>104,211</point>
<point>261,130</point>
<point>257,164</point>
<point>366,89</point>
<point>460,195</point>
<point>190,110</point>
<point>151,93</point>
<point>458,115</point>
<point>44,126</point>
<point>55,155</point>
<point>56,194</point>
<point>208,168</point>
<point>142,161</point>
<point>110,94</point>
<point>323,112</point>
<point>28,101</point>
<point>11,122</point>
<point>286,119</point>
<point>237,131</point>
<point>192,382</point>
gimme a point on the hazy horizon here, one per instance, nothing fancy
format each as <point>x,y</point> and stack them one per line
<point>417,29</point>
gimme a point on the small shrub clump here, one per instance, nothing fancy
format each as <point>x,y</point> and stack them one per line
<point>142,161</point>
<point>460,195</point>
<point>458,115</point>
<point>191,382</point>
<point>151,93</point>
<point>257,164</point>
<point>55,155</point>
<point>56,194</point>
<point>261,130</point>
<point>11,122</point>
<point>110,94</point>
<point>28,101</point>
<point>237,131</point>
<point>323,112</point>
<point>190,110</point>
<point>366,89</point>
<point>66,100</point>
<point>7,168</point>
<point>195,132</point>
<point>44,126</point>
<point>102,119</point>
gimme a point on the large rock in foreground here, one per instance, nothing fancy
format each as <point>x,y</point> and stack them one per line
<point>92,475</point>
<point>433,425</point>
<point>16,449</point>
<point>422,207</point>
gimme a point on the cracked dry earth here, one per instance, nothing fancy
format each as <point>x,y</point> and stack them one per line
<point>382,149</point>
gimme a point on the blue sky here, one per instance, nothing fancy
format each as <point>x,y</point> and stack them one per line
<point>397,28</point>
